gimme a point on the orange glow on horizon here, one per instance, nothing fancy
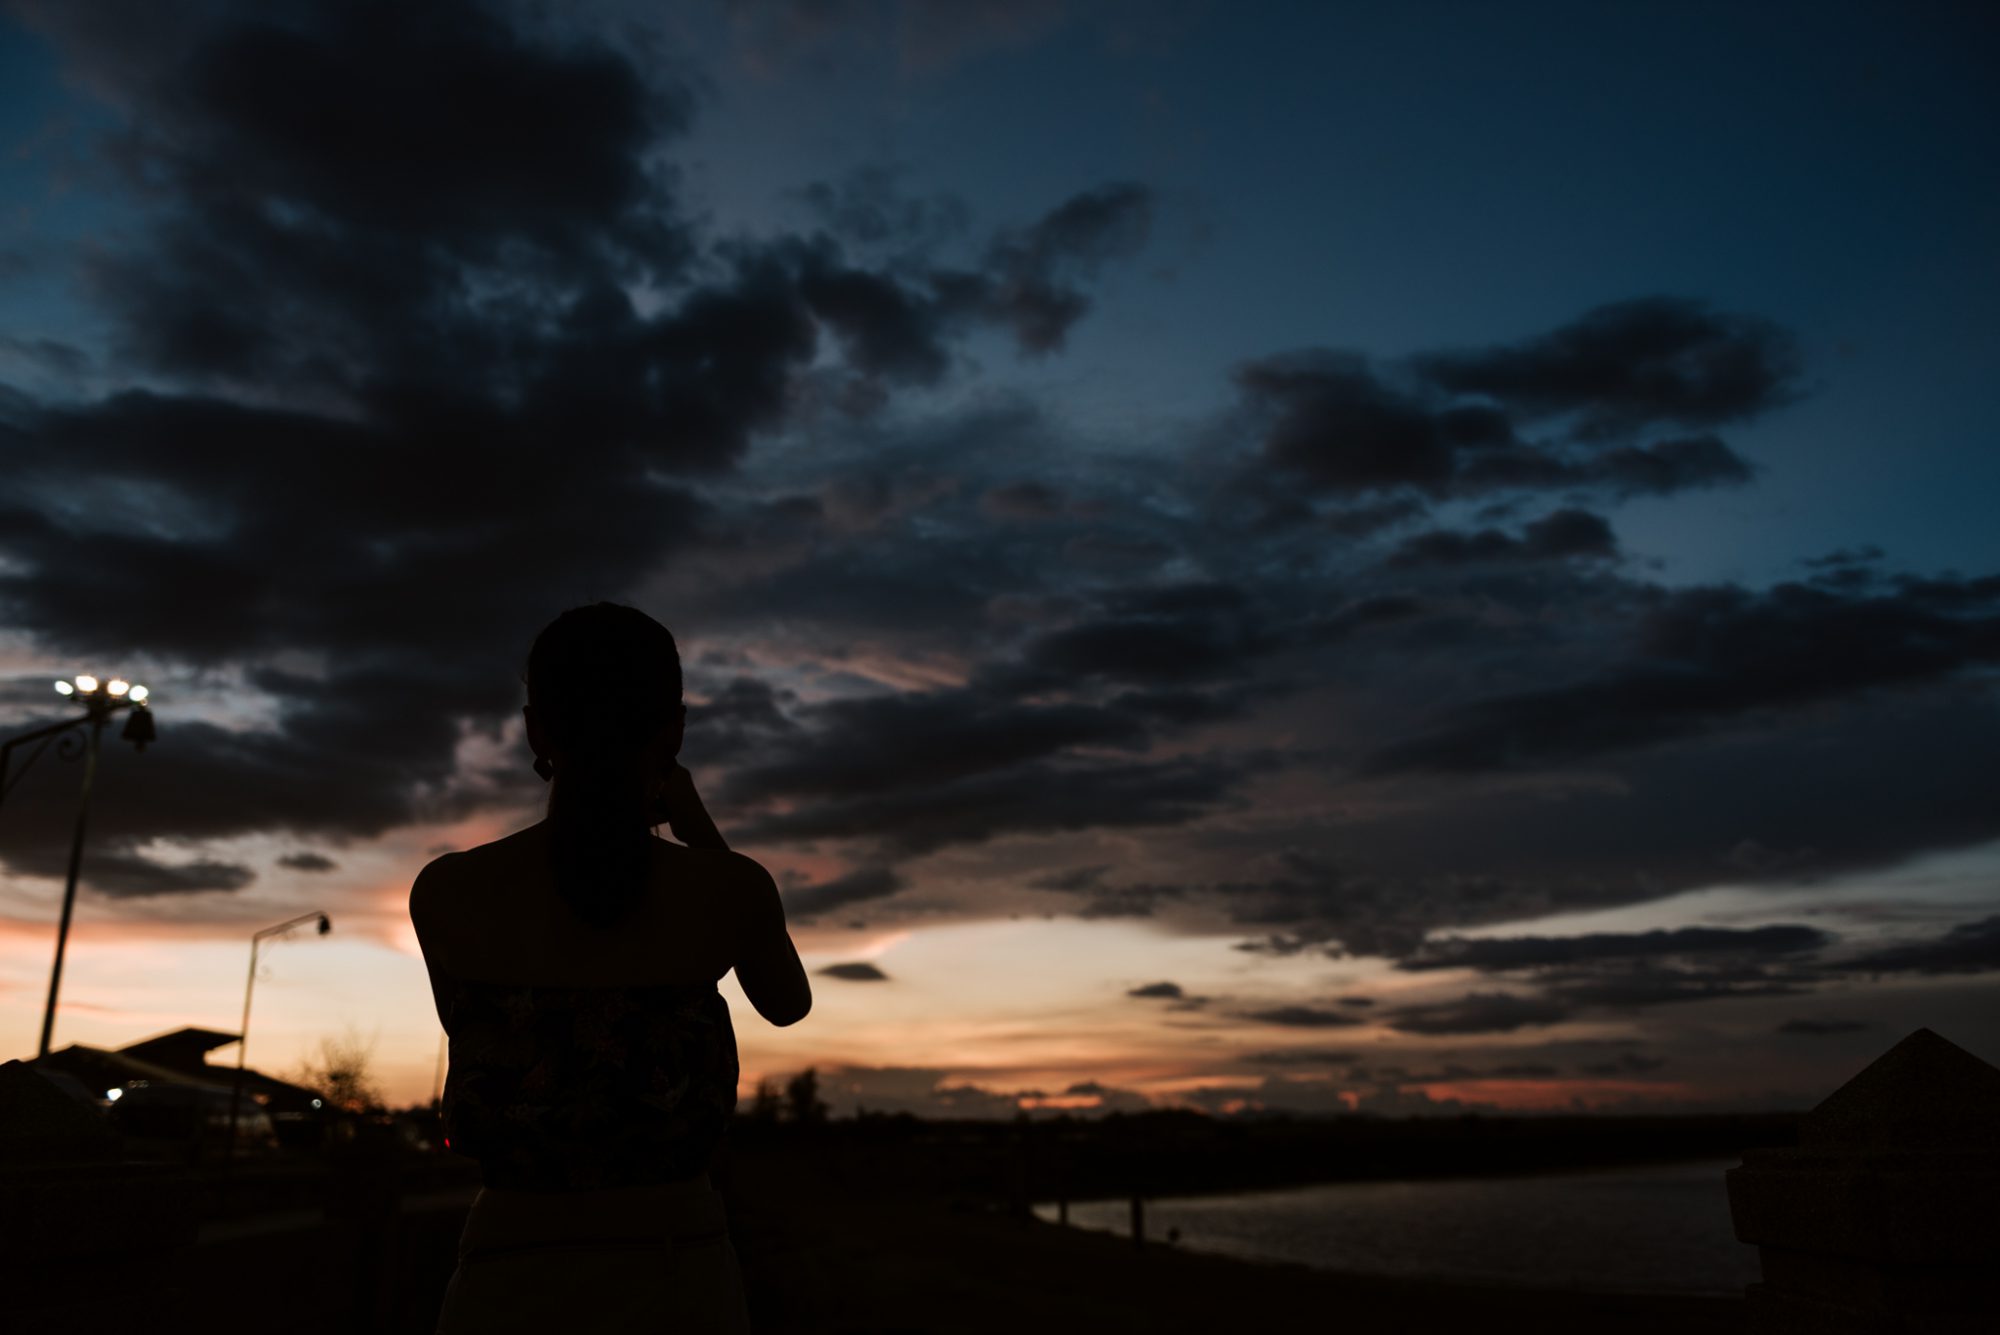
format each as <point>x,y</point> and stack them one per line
<point>1556,1095</point>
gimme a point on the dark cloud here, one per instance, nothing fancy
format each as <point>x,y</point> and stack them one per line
<point>860,972</point>
<point>125,875</point>
<point>1635,986</point>
<point>399,402</point>
<point>377,429</point>
<point>1301,1057</point>
<point>331,165</point>
<point>740,717</point>
<point>1625,1063</point>
<point>1706,656</point>
<point>1193,652</point>
<point>1163,992</point>
<point>307,861</point>
<point>335,775</point>
<point>1518,1071</point>
<point>1099,900</point>
<point>1631,365</point>
<point>1302,1017</point>
<point>1399,1076</point>
<point>1687,463</point>
<point>886,331</point>
<point>1156,649</point>
<point>1458,425</point>
<point>916,771</point>
<point>1031,282</point>
<point>1336,425</point>
<point>1631,828</point>
<point>1821,1028</point>
<point>44,355</point>
<point>855,746</point>
<point>857,887</point>
<point>1972,947</point>
<point>1631,970</point>
<point>1866,554</point>
<point>1029,798</point>
<point>871,207</point>
<point>1361,521</point>
<point>1023,501</point>
<point>1530,952</point>
<point>1479,1013</point>
<point>1108,1098</point>
<point>1564,534</point>
<point>1032,278</point>
<point>1316,899</point>
<point>1073,880</point>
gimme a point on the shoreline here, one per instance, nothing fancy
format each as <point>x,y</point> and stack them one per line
<point>818,1260</point>
<point>1362,1179</point>
<point>1179,1222</point>
<point>1428,1282</point>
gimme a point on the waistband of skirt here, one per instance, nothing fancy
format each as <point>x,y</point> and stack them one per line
<point>684,1212</point>
<point>688,1191</point>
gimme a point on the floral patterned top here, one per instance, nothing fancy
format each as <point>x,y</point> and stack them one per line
<point>583,1088</point>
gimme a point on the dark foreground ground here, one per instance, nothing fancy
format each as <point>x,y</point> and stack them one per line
<point>834,1236</point>
<point>821,1262</point>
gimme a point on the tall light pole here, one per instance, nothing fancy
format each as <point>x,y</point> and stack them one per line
<point>100,700</point>
<point>243,1037</point>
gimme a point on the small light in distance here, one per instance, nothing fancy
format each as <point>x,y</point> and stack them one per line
<point>86,684</point>
<point>139,693</point>
<point>118,686</point>
<point>64,688</point>
<point>114,1094</point>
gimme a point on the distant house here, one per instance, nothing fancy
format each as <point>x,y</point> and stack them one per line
<point>163,1089</point>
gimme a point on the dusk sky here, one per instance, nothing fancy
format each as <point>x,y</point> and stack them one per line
<point>1401,556</point>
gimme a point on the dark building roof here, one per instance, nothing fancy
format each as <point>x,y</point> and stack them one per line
<point>1926,1093</point>
<point>39,1123</point>
<point>102,1068</point>
<point>182,1050</point>
<point>176,1058</point>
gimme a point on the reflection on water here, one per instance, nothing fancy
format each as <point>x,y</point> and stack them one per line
<point>1659,1229</point>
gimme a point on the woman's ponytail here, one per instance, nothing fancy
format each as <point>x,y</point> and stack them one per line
<point>602,680</point>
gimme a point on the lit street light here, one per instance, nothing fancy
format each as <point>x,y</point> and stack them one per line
<point>100,702</point>
<point>243,1037</point>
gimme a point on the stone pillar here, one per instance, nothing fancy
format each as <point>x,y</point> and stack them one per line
<point>1886,1217</point>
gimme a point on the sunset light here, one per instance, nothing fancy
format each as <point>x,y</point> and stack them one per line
<point>1007,630</point>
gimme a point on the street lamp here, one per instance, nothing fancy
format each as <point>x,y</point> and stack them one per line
<point>243,1037</point>
<point>100,701</point>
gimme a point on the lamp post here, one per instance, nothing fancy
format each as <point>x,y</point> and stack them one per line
<point>100,701</point>
<point>243,1037</point>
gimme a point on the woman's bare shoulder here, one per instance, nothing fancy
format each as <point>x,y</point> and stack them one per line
<point>431,892</point>
<point>723,866</point>
<point>742,869</point>
<point>439,878</point>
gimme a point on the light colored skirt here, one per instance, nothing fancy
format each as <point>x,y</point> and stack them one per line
<point>654,1258</point>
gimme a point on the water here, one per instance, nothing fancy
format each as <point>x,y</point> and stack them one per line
<point>1656,1229</point>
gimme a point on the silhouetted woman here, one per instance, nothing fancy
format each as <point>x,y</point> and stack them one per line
<point>574,965</point>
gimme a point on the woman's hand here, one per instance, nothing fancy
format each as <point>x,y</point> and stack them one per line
<point>680,808</point>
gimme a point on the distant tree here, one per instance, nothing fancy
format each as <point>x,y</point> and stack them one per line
<point>343,1074</point>
<point>764,1108</point>
<point>802,1098</point>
